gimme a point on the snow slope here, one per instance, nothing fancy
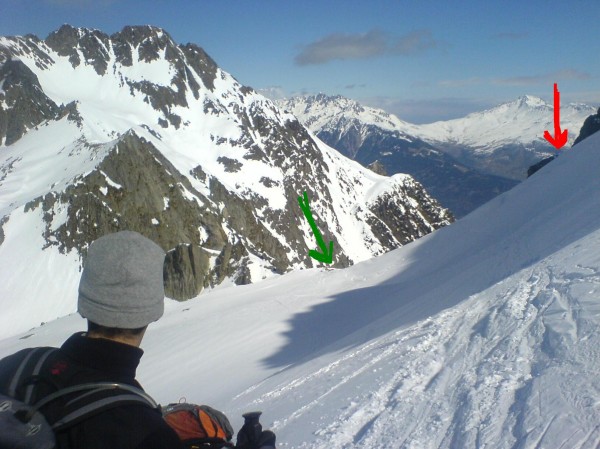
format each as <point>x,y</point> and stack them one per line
<point>482,334</point>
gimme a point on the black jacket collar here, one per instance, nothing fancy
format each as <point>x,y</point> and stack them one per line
<point>118,359</point>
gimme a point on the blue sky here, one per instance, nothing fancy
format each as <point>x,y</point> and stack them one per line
<point>423,60</point>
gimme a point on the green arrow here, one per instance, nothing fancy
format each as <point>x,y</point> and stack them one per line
<point>324,256</point>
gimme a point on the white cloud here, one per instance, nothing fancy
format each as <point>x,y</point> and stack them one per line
<point>342,46</point>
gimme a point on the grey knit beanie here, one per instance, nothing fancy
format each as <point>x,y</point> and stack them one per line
<point>122,281</point>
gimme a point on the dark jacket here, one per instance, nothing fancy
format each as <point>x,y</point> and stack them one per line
<point>82,360</point>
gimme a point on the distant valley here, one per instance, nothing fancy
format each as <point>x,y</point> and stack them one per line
<point>463,163</point>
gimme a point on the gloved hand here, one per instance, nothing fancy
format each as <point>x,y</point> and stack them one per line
<point>251,435</point>
<point>266,440</point>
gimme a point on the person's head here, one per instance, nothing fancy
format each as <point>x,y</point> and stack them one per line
<point>121,288</point>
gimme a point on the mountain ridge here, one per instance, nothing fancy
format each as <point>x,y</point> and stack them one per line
<point>502,141</point>
<point>219,168</point>
<point>372,136</point>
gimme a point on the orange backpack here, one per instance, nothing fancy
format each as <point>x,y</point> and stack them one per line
<point>199,426</point>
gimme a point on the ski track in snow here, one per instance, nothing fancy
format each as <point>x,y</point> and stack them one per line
<point>467,377</point>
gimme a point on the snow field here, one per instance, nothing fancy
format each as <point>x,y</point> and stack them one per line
<point>501,369</point>
<point>33,283</point>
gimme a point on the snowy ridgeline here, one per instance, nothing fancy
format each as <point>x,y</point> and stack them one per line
<point>482,334</point>
<point>484,130</point>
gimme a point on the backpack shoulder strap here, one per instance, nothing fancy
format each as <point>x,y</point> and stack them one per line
<point>30,367</point>
<point>94,400</point>
<point>94,397</point>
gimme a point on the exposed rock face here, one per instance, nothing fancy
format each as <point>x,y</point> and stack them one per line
<point>590,126</point>
<point>399,229</point>
<point>93,45</point>
<point>534,168</point>
<point>148,44</point>
<point>185,271</point>
<point>378,168</point>
<point>208,169</point>
<point>25,104</point>
<point>137,188</point>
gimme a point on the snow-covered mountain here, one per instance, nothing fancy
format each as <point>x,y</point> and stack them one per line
<point>337,114</point>
<point>132,131</point>
<point>517,121</point>
<point>483,334</point>
<point>370,135</point>
<point>502,141</point>
<point>507,138</point>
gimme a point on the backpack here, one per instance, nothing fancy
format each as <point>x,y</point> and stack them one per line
<point>23,423</point>
<point>199,426</point>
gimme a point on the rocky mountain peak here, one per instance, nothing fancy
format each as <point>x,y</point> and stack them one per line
<point>333,103</point>
<point>323,111</point>
<point>157,138</point>
<point>93,45</point>
<point>151,43</point>
<point>138,34</point>
<point>131,45</point>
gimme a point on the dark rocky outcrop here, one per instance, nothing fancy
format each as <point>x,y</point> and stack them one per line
<point>149,44</point>
<point>377,167</point>
<point>3,221</point>
<point>241,215</point>
<point>26,104</point>
<point>136,188</point>
<point>202,64</point>
<point>534,168</point>
<point>590,126</point>
<point>396,229</point>
<point>186,268</point>
<point>231,165</point>
<point>94,45</point>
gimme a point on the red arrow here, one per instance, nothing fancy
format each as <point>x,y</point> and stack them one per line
<point>560,137</point>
